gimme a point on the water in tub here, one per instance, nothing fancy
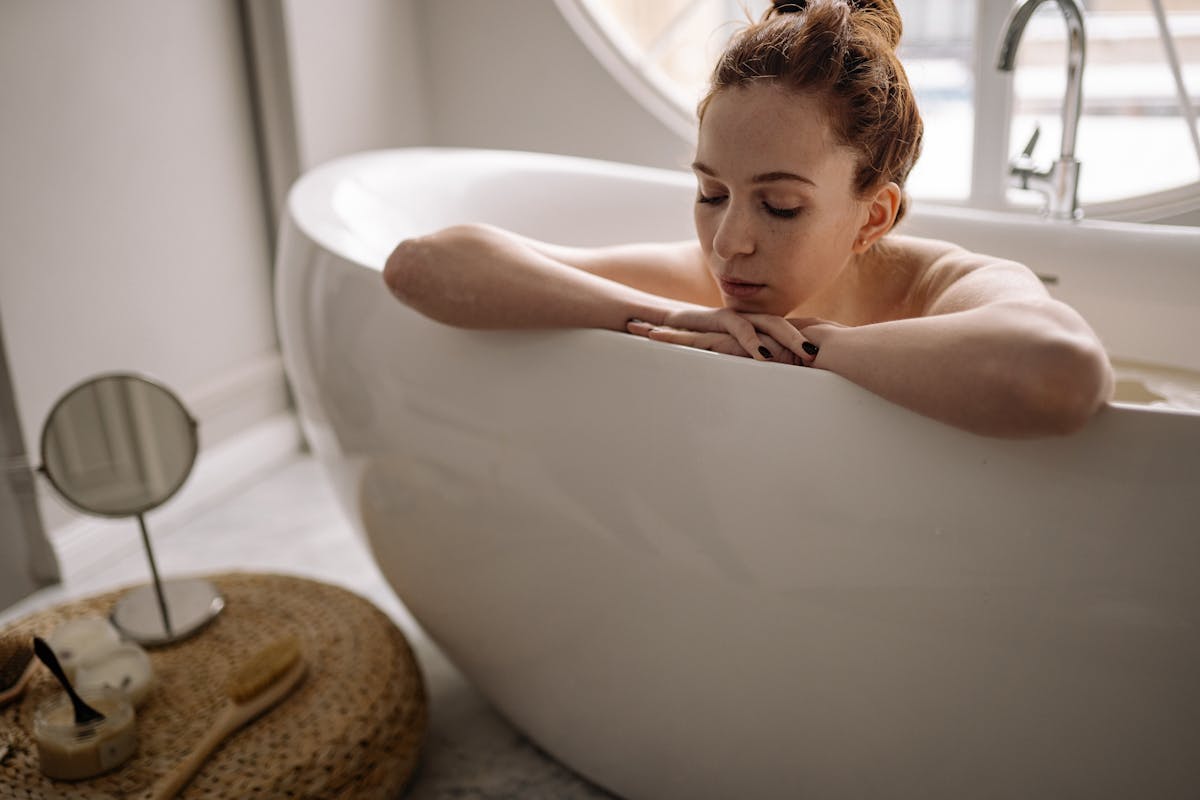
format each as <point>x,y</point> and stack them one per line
<point>1157,386</point>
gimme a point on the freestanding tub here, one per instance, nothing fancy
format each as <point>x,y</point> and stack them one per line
<point>699,576</point>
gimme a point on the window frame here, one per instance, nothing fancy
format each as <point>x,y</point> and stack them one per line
<point>993,102</point>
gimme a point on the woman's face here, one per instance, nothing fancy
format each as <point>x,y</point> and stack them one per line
<point>776,212</point>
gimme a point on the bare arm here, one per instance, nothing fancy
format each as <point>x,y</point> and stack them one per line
<point>477,276</point>
<point>992,353</point>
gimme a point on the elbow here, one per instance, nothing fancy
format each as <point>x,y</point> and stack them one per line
<point>417,270</point>
<point>403,268</point>
<point>1072,380</point>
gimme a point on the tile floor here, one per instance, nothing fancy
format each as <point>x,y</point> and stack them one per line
<point>290,522</point>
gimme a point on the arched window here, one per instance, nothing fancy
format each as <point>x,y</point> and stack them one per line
<point>1138,139</point>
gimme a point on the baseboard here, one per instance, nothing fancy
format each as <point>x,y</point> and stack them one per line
<point>238,398</point>
<point>220,472</point>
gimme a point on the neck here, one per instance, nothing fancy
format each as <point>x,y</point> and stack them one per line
<point>868,289</point>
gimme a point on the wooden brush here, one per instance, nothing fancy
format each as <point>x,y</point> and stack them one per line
<point>16,666</point>
<point>262,681</point>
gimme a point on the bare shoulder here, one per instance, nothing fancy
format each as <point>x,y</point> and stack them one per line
<point>945,277</point>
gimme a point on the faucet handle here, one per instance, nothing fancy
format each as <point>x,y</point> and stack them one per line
<point>1032,143</point>
<point>1022,168</point>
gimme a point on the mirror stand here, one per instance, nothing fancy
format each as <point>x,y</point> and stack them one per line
<point>161,612</point>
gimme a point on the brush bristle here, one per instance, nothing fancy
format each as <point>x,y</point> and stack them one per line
<point>16,654</point>
<point>263,668</point>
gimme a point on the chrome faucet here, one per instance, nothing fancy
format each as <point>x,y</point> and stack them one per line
<point>1059,183</point>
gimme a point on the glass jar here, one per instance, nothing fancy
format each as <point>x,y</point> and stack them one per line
<point>72,752</point>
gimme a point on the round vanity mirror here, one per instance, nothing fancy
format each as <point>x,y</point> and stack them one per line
<point>120,445</point>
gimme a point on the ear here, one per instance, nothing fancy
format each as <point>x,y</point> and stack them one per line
<point>881,214</point>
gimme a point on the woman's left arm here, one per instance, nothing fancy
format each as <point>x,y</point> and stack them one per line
<point>991,352</point>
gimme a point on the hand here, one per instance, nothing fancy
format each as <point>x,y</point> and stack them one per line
<point>743,328</point>
<point>726,331</point>
<point>817,331</point>
<point>715,341</point>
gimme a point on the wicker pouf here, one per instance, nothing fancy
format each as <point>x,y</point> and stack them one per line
<point>352,729</point>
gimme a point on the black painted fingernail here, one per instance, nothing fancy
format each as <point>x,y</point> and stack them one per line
<point>810,348</point>
<point>765,352</point>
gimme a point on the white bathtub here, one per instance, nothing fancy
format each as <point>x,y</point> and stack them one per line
<point>698,576</point>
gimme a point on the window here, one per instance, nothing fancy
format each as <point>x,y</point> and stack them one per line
<point>1137,137</point>
<point>1133,136</point>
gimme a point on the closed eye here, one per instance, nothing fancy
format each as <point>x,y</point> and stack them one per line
<point>785,213</point>
<point>710,199</point>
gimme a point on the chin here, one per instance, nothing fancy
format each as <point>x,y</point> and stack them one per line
<point>752,306</point>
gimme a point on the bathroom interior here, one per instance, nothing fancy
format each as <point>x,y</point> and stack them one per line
<point>157,144</point>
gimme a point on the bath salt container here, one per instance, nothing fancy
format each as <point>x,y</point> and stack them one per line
<point>126,668</point>
<point>72,752</point>
<point>79,642</point>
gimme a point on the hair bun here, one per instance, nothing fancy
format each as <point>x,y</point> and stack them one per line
<point>883,16</point>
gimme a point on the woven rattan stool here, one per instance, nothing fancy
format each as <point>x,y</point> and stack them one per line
<point>353,728</point>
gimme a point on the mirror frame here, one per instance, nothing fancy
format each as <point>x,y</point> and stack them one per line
<point>193,438</point>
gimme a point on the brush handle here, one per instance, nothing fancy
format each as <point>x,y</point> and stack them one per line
<point>177,778</point>
<point>232,716</point>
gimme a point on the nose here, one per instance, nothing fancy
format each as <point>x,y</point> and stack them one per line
<point>734,236</point>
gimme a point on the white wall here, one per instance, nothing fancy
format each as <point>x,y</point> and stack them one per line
<point>132,231</point>
<point>513,75</point>
<point>358,76</point>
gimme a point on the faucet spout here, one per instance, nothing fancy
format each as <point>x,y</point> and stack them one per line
<point>1061,181</point>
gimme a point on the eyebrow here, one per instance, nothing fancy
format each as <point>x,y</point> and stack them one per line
<point>766,177</point>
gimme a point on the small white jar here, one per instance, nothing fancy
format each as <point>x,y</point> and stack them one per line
<point>78,642</point>
<point>126,668</point>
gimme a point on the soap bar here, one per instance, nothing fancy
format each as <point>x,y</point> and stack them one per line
<point>82,641</point>
<point>126,668</point>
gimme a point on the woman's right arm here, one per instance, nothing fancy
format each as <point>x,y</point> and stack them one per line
<point>477,276</point>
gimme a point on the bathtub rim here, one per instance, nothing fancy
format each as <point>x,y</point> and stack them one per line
<point>310,205</point>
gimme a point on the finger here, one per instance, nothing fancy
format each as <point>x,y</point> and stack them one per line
<point>724,343</point>
<point>714,342</point>
<point>639,327</point>
<point>818,333</point>
<point>700,339</point>
<point>746,334</point>
<point>786,335</point>
<point>781,330</point>
<point>730,347</point>
<point>723,320</point>
<point>779,353</point>
<point>673,335</point>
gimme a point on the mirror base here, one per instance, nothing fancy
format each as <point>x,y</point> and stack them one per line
<point>191,604</point>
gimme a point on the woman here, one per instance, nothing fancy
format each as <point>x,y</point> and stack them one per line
<point>807,134</point>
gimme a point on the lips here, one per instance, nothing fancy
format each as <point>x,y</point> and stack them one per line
<point>739,288</point>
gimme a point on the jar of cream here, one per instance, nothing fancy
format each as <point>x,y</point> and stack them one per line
<point>73,752</point>
<point>125,667</point>
<point>80,641</point>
